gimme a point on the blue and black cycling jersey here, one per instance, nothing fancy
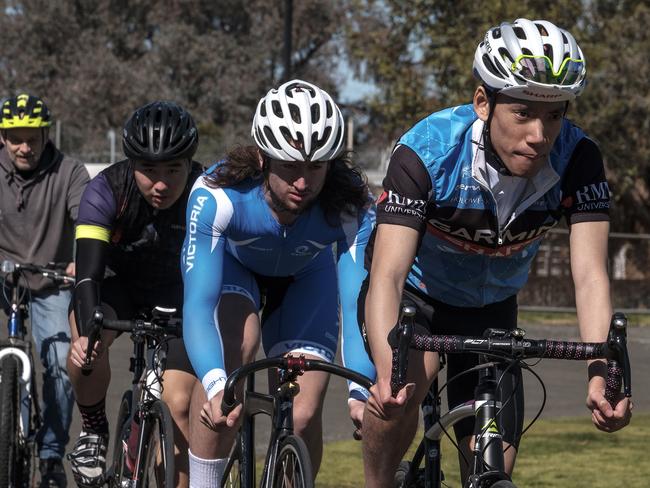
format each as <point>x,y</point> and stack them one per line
<point>438,183</point>
<point>118,229</point>
<point>234,243</point>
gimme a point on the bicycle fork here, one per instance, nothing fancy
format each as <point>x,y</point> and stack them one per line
<point>25,383</point>
<point>488,439</point>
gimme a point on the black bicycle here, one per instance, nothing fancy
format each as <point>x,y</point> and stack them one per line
<point>143,450</point>
<point>287,463</point>
<point>21,415</point>
<point>499,350</point>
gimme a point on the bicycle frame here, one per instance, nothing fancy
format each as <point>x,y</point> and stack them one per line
<point>489,466</point>
<point>488,448</point>
<point>278,406</point>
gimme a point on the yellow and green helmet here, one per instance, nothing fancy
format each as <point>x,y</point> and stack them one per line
<point>24,111</point>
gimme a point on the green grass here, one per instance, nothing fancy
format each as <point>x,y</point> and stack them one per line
<point>554,453</point>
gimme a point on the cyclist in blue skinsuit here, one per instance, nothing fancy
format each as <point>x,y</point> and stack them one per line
<point>261,227</point>
<point>470,191</point>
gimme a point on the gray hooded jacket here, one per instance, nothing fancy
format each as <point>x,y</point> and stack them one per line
<point>38,211</point>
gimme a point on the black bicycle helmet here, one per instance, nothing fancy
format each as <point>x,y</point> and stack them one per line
<point>24,111</point>
<point>160,131</point>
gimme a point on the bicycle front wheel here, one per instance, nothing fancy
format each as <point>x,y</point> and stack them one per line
<point>503,484</point>
<point>232,475</point>
<point>10,472</point>
<point>119,470</point>
<point>158,448</point>
<point>293,466</point>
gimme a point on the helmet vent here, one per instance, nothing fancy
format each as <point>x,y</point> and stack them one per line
<point>268,133</point>
<point>295,112</point>
<point>548,50</point>
<point>277,110</point>
<point>315,113</point>
<point>490,65</point>
<point>326,133</point>
<point>496,33</point>
<point>542,30</point>
<point>339,134</point>
<point>287,135</point>
<point>519,32</point>
<point>506,55</point>
<point>328,109</point>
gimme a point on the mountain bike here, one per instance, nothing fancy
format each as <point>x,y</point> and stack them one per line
<point>287,463</point>
<point>143,450</point>
<point>499,350</point>
<point>20,420</point>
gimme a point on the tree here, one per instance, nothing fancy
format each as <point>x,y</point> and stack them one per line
<point>420,54</point>
<point>100,59</point>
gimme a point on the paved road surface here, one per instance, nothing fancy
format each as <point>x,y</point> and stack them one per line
<point>565,383</point>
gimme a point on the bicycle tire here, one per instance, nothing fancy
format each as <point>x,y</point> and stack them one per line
<point>10,473</point>
<point>293,466</point>
<point>121,432</point>
<point>159,457</point>
<point>503,484</point>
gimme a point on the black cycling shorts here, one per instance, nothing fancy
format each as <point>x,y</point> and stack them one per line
<point>440,318</point>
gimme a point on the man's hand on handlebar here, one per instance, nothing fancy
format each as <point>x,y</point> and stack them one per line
<point>212,416</point>
<point>357,407</point>
<point>603,415</point>
<point>79,348</point>
<point>382,404</point>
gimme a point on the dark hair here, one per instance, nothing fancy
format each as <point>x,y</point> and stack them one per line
<point>345,188</point>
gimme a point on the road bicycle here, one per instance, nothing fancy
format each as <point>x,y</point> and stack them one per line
<point>287,463</point>
<point>143,450</point>
<point>499,350</point>
<point>21,416</point>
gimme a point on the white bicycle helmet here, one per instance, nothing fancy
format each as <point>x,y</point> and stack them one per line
<point>531,60</point>
<point>298,122</point>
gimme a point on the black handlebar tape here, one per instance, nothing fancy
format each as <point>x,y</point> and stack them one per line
<point>119,325</point>
<point>613,382</point>
<point>573,350</point>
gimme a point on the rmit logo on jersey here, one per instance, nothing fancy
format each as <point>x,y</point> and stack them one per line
<point>593,197</point>
<point>394,203</point>
<point>191,240</point>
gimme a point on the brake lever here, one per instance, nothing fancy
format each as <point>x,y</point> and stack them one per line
<point>617,344</point>
<point>93,336</point>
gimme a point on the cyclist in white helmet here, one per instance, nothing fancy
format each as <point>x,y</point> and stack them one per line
<point>261,228</point>
<point>469,193</point>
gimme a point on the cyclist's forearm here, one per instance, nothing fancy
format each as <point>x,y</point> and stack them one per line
<point>588,244</point>
<point>382,309</point>
<point>90,261</point>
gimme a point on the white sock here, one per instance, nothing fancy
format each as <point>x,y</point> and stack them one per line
<point>206,473</point>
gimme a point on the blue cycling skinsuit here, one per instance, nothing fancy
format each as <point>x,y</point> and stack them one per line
<point>233,243</point>
<point>480,227</point>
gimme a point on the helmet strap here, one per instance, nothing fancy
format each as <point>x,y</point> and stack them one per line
<point>491,156</point>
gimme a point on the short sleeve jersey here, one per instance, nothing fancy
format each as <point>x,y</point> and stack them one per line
<point>436,183</point>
